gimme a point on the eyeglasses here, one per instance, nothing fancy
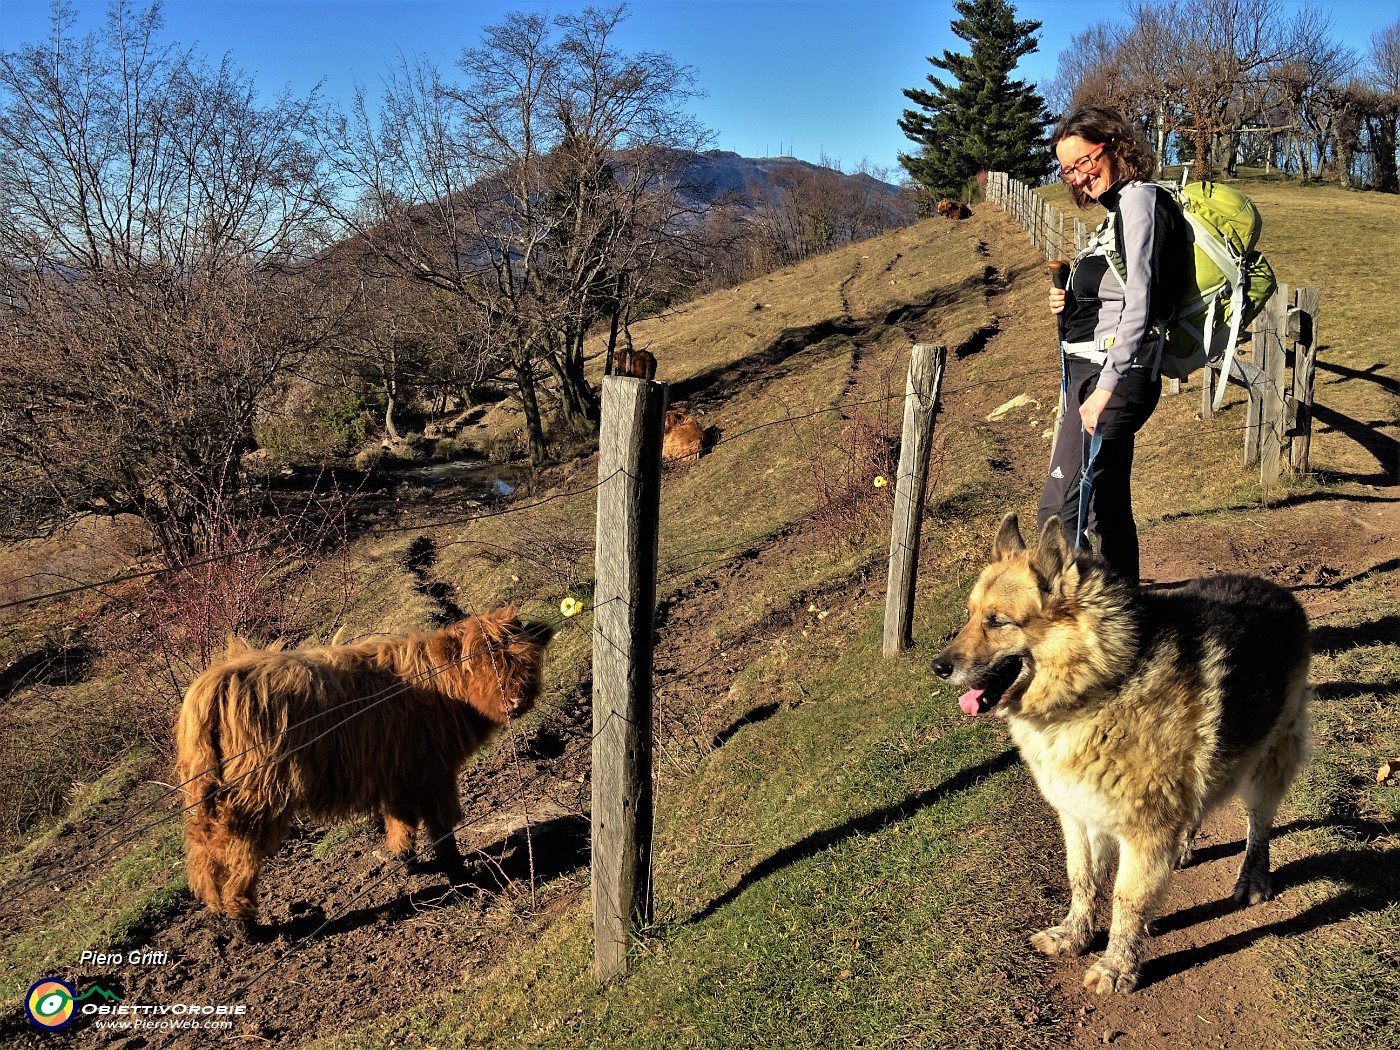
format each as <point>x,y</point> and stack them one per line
<point>1082,165</point>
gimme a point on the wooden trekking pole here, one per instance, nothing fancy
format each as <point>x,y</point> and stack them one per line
<point>1059,278</point>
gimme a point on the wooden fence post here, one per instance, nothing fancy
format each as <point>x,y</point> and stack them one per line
<point>1264,343</point>
<point>1304,371</point>
<point>911,483</point>
<point>624,615</point>
<point>1272,430</point>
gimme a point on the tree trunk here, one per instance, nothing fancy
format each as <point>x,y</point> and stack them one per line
<point>578,401</point>
<point>1345,157</point>
<point>529,400</point>
<point>1201,167</point>
<point>1232,160</point>
<point>1383,136</point>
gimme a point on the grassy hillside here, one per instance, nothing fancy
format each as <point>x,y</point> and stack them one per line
<point>842,858</point>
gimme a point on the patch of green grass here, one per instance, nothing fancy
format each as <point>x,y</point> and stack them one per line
<point>832,876</point>
<point>1342,967</point>
<point>339,835</point>
<point>1344,989</point>
<point>111,905</point>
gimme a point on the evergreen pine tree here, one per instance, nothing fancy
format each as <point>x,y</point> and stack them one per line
<point>985,121</point>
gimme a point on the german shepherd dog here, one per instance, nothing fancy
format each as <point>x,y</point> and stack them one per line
<point>1137,713</point>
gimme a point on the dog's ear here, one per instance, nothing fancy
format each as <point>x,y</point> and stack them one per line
<point>1052,555</point>
<point>1008,539</point>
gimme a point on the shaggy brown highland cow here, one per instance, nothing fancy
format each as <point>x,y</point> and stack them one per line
<point>380,726</point>
<point>683,436</point>
<point>640,364</point>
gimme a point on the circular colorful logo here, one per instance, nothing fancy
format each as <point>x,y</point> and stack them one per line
<point>49,1003</point>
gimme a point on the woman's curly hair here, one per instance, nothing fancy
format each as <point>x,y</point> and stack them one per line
<point>1129,157</point>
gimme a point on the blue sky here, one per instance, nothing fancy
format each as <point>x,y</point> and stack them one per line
<point>782,77</point>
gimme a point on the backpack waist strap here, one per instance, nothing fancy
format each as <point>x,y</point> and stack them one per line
<point>1094,350</point>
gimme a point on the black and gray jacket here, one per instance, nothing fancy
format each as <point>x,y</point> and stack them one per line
<point>1108,316</point>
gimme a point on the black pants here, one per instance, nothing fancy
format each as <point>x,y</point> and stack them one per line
<point>1109,521</point>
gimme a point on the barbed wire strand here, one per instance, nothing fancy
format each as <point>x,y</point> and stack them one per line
<point>40,874</point>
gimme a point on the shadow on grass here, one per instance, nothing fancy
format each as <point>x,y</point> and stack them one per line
<point>1339,639</point>
<point>868,824</point>
<point>1371,374</point>
<point>1369,886</point>
<point>1383,447</point>
<point>1297,499</point>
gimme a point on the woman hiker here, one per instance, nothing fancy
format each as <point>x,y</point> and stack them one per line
<point>1110,342</point>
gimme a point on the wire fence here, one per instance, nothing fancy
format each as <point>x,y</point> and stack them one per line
<point>687,563</point>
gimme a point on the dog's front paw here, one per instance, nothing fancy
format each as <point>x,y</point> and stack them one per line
<point>1107,976</point>
<point>1061,940</point>
<point>1253,887</point>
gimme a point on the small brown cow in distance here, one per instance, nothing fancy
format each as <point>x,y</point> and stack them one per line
<point>683,436</point>
<point>638,363</point>
<point>382,726</point>
<point>953,209</point>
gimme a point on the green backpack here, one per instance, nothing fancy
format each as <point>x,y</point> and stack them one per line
<point>1230,285</point>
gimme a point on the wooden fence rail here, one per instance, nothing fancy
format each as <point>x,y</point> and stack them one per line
<point>1278,415</point>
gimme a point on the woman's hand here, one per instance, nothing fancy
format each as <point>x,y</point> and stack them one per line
<point>1057,300</point>
<point>1092,408</point>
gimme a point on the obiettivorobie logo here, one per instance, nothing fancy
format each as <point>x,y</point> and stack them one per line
<point>51,1004</point>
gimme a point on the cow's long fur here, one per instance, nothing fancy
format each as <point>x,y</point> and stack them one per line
<point>1137,713</point>
<point>683,437</point>
<point>640,364</point>
<point>380,726</point>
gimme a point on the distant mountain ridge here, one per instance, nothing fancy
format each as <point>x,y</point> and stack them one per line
<point>716,173</point>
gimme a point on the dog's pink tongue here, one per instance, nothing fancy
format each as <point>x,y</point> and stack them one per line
<point>971,701</point>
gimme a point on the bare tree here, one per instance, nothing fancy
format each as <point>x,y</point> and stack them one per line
<point>543,191</point>
<point>810,209</point>
<point>1384,122</point>
<point>1206,71</point>
<point>150,252</point>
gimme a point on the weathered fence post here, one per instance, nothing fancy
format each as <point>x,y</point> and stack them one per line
<point>1304,371</point>
<point>1266,331</point>
<point>911,483</point>
<point>624,613</point>
<point>1273,363</point>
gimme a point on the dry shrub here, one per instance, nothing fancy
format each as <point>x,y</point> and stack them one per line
<point>851,507</point>
<point>85,550</point>
<point>280,575</point>
<point>549,552</point>
<point>53,741</point>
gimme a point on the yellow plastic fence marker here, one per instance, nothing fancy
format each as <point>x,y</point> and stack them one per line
<point>880,481</point>
<point>570,606</point>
